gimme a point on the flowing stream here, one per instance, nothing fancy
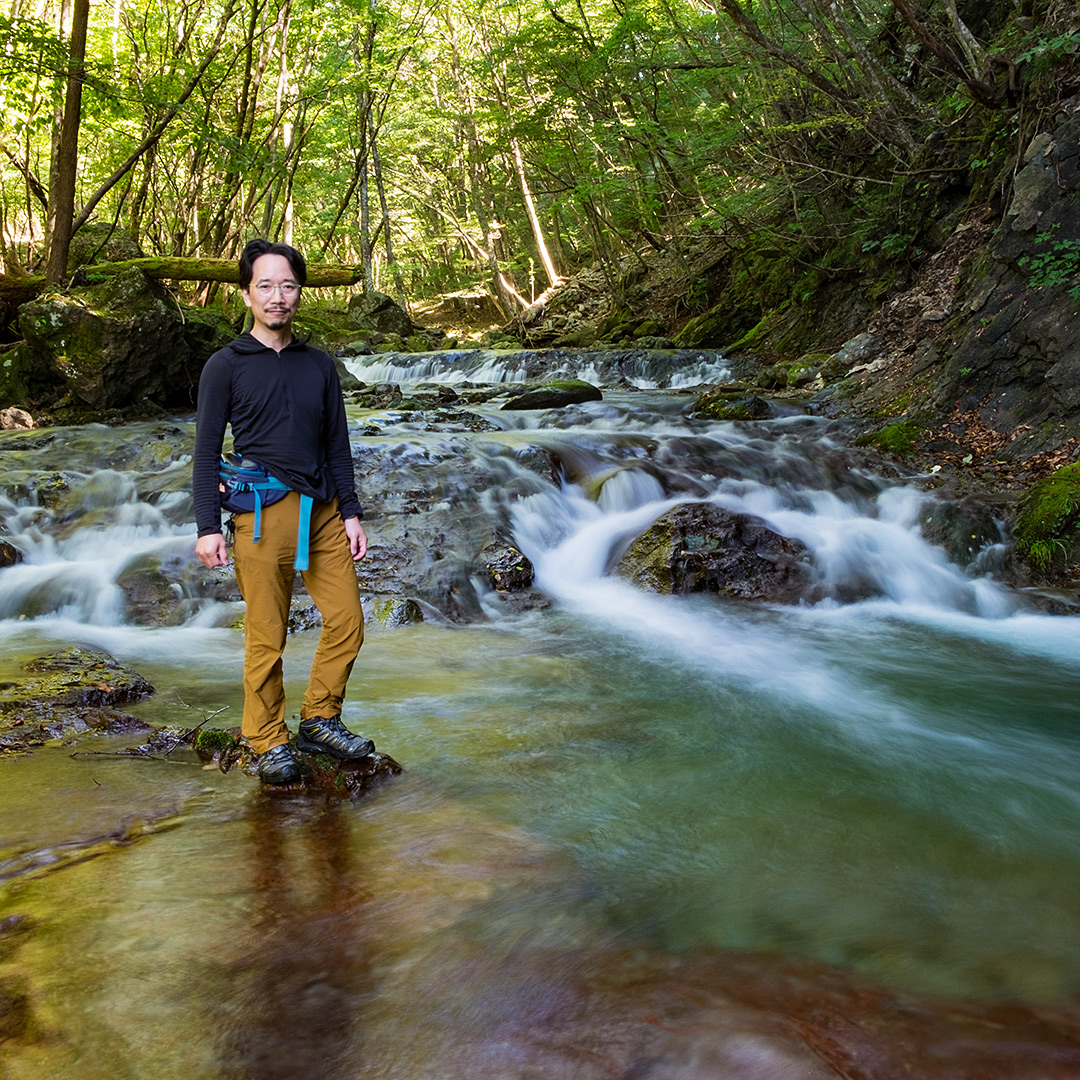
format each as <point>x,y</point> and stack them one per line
<point>884,780</point>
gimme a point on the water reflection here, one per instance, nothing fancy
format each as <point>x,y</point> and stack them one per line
<point>297,992</point>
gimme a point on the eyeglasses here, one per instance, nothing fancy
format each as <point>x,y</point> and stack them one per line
<point>288,289</point>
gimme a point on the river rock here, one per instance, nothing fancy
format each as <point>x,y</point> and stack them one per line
<point>120,342</point>
<point>556,395</point>
<point>508,569</point>
<point>13,418</point>
<point>700,547</point>
<point>720,404</point>
<point>320,773</point>
<point>9,554</point>
<point>69,693</point>
<point>153,591</point>
<point>965,527</point>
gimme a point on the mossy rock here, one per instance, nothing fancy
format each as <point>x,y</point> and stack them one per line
<point>896,439</point>
<point>67,694</point>
<point>1048,519</point>
<point>397,611</point>
<point>774,377</point>
<point>99,242</point>
<point>391,343</point>
<point>113,344</point>
<point>730,405</point>
<point>801,374</point>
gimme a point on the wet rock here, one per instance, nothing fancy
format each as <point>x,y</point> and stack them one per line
<point>67,693</point>
<point>9,554</point>
<point>556,395</point>
<point>153,595</point>
<point>13,418</point>
<point>321,774</point>
<point>349,382</point>
<point>381,396</point>
<point>731,405</point>
<point>396,611</point>
<point>699,547</point>
<point>506,567</point>
<point>432,506</point>
<point>324,775</point>
<point>510,570</point>
<point>964,527</point>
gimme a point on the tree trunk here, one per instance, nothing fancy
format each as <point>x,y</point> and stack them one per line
<point>61,215</point>
<point>391,261</point>
<point>534,220</point>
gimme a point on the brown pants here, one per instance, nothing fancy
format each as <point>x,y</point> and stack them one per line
<point>264,572</point>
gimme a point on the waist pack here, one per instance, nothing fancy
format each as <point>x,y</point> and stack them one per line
<point>246,487</point>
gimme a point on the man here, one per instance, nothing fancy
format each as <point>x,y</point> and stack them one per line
<point>283,401</point>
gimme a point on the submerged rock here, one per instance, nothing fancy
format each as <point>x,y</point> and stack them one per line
<point>699,547</point>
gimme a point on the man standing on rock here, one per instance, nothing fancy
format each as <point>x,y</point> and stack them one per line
<point>283,401</point>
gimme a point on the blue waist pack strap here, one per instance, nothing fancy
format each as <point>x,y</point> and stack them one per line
<point>246,487</point>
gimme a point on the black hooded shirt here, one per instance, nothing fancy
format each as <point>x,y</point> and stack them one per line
<point>286,413</point>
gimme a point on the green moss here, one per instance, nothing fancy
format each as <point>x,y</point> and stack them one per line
<point>1048,518</point>
<point>213,740</point>
<point>893,439</point>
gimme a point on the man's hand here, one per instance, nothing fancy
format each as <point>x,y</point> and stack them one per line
<point>211,550</point>
<point>357,538</point>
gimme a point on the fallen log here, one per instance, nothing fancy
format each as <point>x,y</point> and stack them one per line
<point>18,289</point>
<point>319,275</point>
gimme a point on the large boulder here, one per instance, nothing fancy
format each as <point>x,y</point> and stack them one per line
<point>100,242</point>
<point>120,342</point>
<point>700,547</point>
<point>376,313</point>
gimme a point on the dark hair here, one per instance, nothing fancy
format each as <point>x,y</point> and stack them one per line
<point>254,248</point>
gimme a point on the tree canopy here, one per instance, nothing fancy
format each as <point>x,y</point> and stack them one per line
<point>439,144</point>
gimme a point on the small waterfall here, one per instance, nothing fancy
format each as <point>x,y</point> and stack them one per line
<point>644,369</point>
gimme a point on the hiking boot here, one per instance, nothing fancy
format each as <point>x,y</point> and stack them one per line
<point>328,735</point>
<point>279,765</point>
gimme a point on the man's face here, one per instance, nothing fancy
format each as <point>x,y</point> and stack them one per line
<point>274,292</point>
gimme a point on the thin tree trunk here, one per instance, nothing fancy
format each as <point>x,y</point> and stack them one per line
<point>59,223</point>
<point>391,261</point>
<point>534,220</point>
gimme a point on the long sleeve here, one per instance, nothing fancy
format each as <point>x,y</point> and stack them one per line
<point>338,452</point>
<point>211,419</point>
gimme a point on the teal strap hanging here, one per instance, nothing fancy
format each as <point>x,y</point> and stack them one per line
<point>303,534</point>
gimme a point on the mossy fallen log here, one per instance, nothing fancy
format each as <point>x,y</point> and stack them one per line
<point>16,290</point>
<point>320,275</point>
